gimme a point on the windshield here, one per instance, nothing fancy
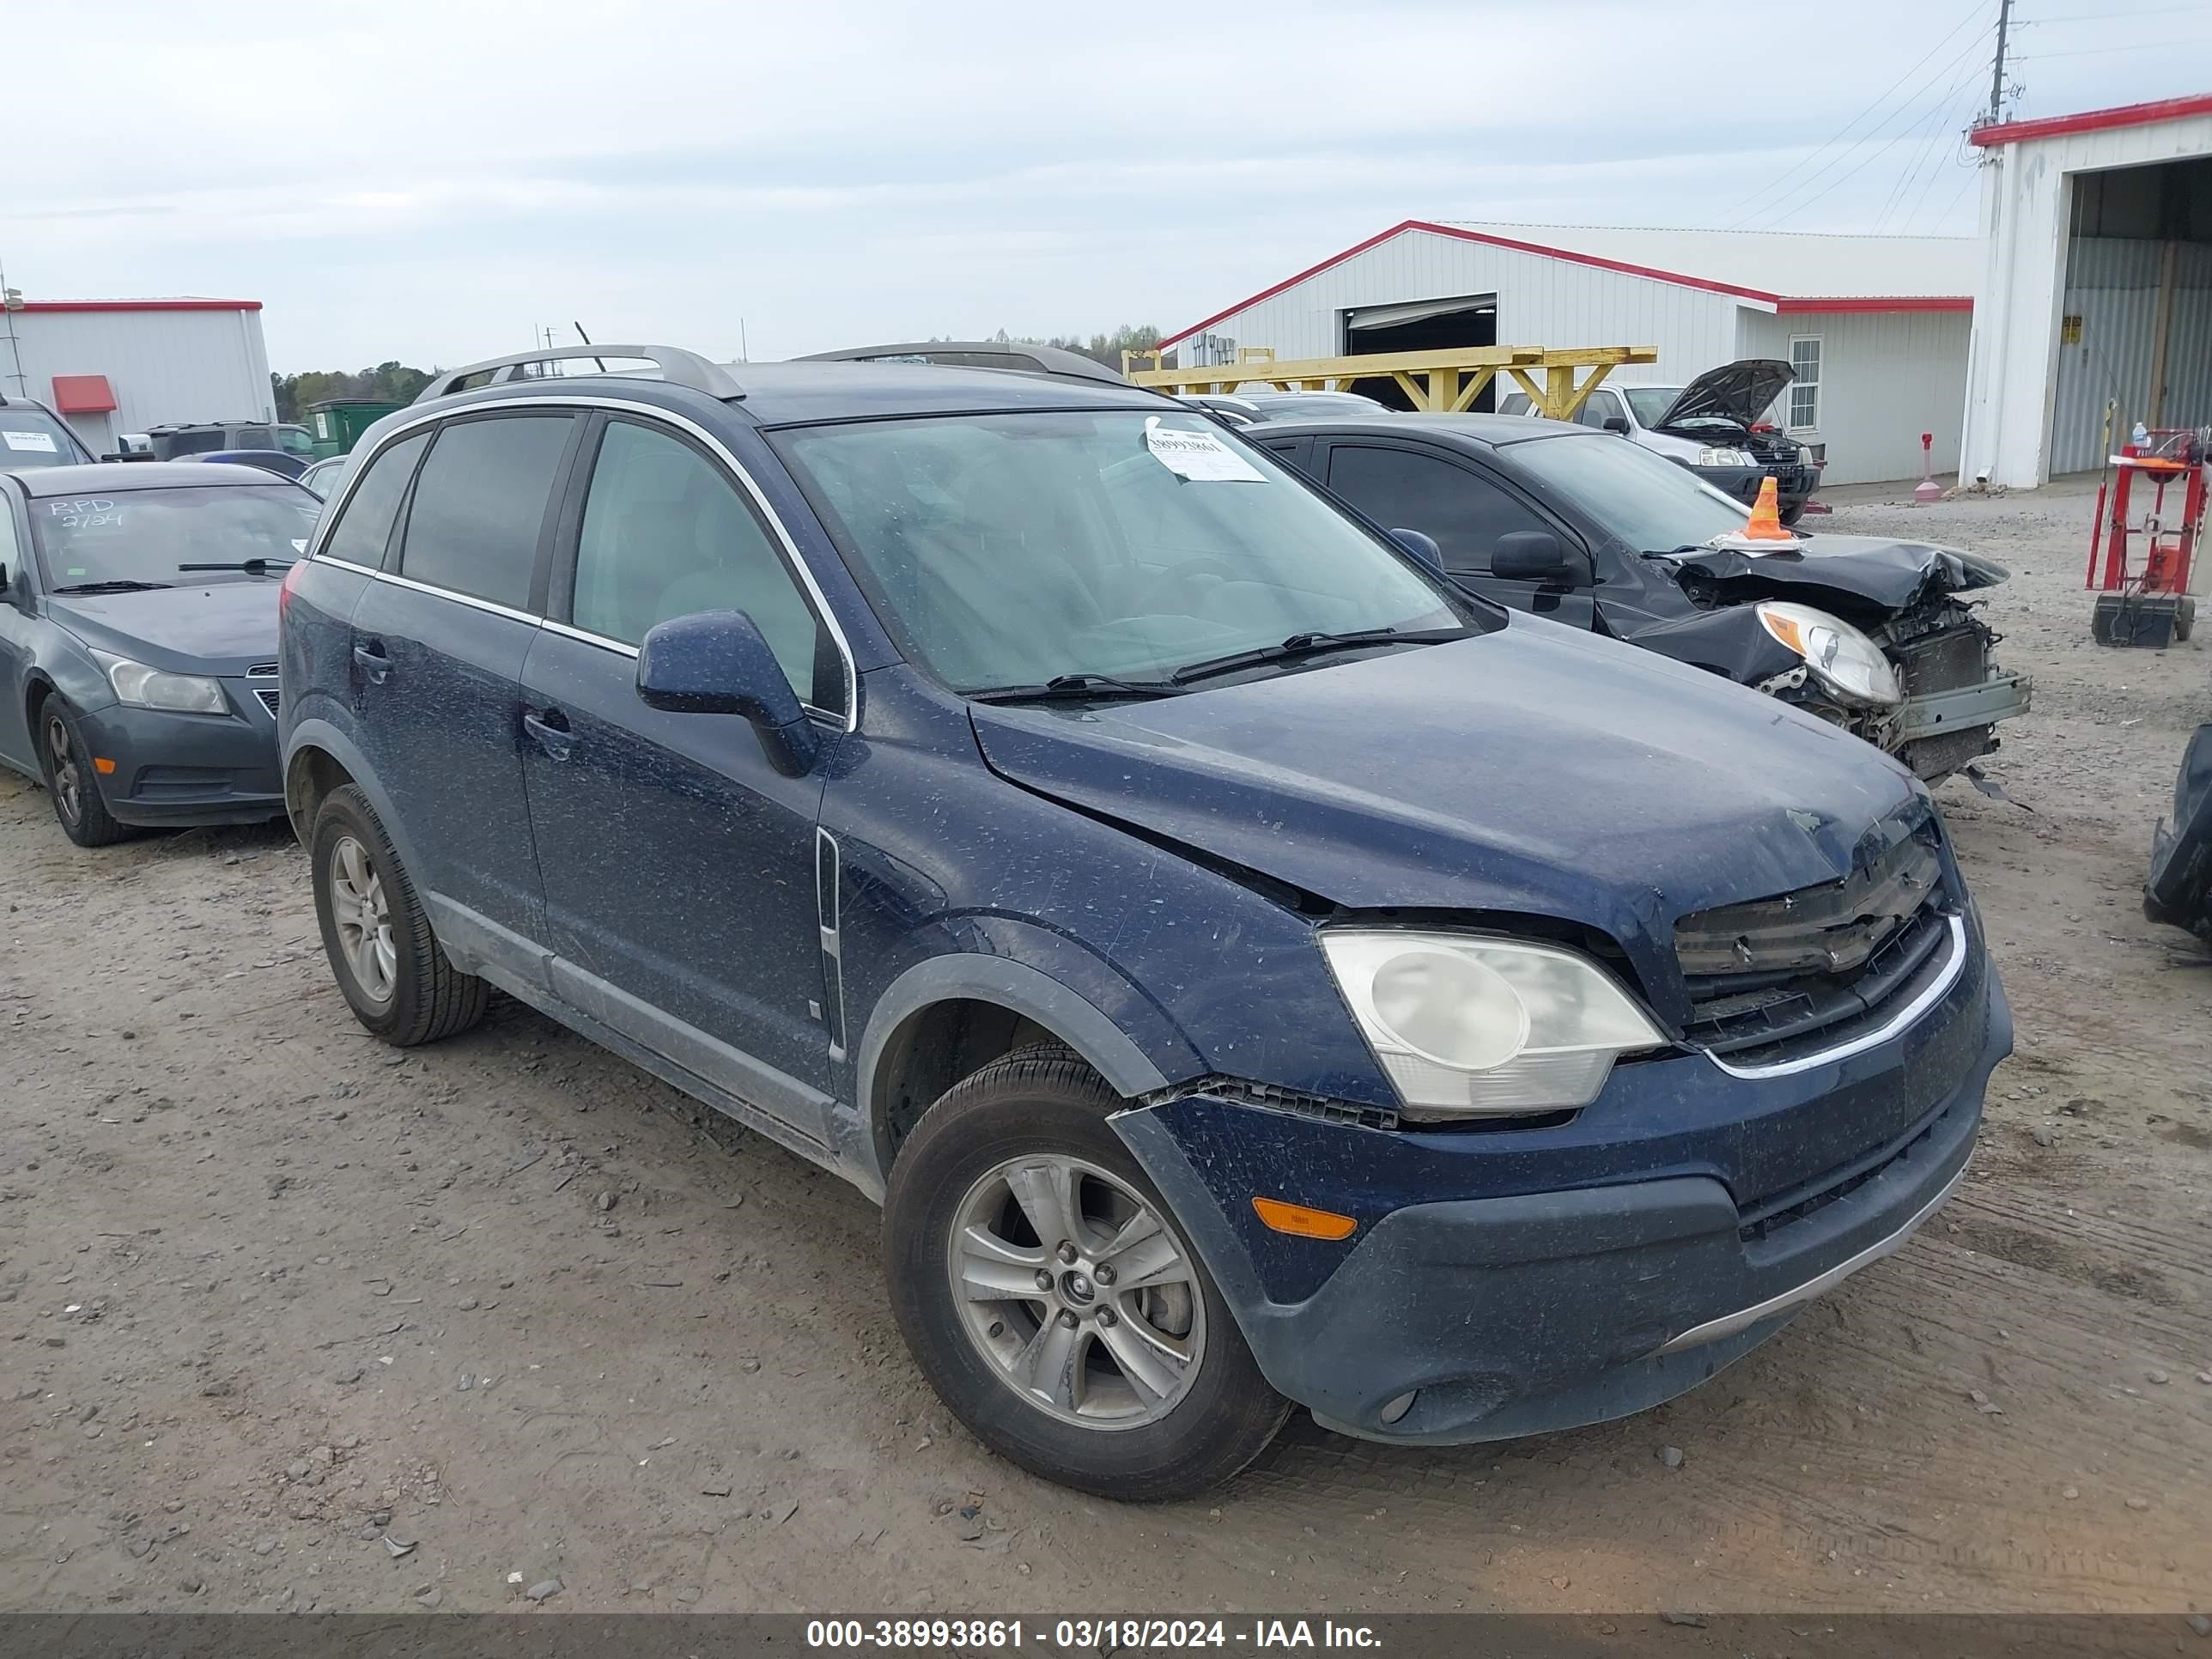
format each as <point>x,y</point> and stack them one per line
<point>1650,401</point>
<point>1014,550</point>
<point>31,437</point>
<point>1652,504</point>
<point>143,535</point>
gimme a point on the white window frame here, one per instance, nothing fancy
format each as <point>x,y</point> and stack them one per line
<point>1789,392</point>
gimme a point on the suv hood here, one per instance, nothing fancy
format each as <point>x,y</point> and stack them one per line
<point>1537,770</point>
<point>1738,392</point>
<point>1893,575</point>
<point>221,628</point>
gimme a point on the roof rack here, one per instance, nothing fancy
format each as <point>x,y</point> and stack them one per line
<point>677,368</point>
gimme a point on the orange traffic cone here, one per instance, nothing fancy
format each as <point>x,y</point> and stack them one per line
<point>1765,524</point>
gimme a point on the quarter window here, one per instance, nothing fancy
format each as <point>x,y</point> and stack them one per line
<point>362,535</point>
<point>1805,390</point>
<point>1405,489</point>
<point>480,505</point>
<point>666,534</point>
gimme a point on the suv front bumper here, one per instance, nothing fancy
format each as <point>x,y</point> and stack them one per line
<point>1539,1310</point>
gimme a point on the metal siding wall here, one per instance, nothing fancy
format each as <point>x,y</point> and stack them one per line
<point>1885,378</point>
<point>2112,284</point>
<point>2013,384</point>
<point>2188,341</point>
<point>1540,301</point>
<point>163,364</point>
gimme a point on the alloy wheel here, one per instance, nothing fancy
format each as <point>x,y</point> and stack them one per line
<point>363,918</point>
<point>66,778</point>
<point>1073,1288</point>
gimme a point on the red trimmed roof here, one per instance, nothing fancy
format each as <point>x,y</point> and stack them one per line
<point>142,304</point>
<point>1901,302</point>
<point>2091,120</point>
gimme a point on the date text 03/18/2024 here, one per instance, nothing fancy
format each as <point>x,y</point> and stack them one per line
<point>1085,1635</point>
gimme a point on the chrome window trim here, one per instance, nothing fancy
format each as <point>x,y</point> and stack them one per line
<point>1889,1027</point>
<point>622,648</point>
<point>818,602</point>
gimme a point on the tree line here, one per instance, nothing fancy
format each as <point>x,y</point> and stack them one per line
<point>388,382</point>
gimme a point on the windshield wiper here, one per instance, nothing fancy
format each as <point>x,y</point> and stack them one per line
<point>1309,645</point>
<point>1071,688</point>
<point>112,587</point>
<point>251,567</point>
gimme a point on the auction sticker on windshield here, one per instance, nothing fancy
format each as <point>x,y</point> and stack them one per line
<point>41,442</point>
<point>1197,457</point>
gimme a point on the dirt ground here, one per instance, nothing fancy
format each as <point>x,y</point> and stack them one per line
<point>275,1300</point>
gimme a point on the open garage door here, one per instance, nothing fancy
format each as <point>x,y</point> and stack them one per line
<point>1469,319</point>
<point>2135,331</point>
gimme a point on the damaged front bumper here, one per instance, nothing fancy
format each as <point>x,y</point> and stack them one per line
<point>1478,1300</point>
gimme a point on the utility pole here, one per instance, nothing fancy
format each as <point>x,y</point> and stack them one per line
<point>1996,74</point>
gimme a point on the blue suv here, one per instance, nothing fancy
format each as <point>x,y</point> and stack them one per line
<point>1248,971</point>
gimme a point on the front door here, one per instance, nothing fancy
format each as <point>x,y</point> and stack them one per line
<point>678,864</point>
<point>16,746</point>
<point>437,658</point>
<point>1465,508</point>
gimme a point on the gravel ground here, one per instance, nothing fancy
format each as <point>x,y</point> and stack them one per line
<point>291,1321</point>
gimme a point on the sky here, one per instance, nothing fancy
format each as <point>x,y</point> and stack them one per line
<point>436,183</point>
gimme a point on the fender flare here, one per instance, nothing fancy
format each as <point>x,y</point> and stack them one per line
<point>1013,985</point>
<point>316,733</point>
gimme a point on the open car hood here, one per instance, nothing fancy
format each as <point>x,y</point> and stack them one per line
<point>1738,392</point>
<point>1890,574</point>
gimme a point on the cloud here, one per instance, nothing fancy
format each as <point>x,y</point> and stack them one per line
<point>433,182</point>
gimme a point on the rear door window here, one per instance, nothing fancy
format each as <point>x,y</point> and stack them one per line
<point>1410,489</point>
<point>1603,406</point>
<point>480,506</point>
<point>364,531</point>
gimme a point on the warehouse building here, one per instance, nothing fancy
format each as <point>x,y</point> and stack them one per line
<point>109,367</point>
<point>1876,326</point>
<point>2094,303</point>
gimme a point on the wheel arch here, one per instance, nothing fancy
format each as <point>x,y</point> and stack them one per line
<point>946,1018</point>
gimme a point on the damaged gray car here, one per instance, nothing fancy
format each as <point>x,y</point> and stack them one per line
<point>1882,637</point>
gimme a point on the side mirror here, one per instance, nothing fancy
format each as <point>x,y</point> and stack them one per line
<point>1423,546</point>
<point>1617,423</point>
<point>717,663</point>
<point>1537,555</point>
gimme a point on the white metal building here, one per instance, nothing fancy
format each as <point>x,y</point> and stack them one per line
<point>1877,326</point>
<point>109,367</point>
<point>2096,287</point>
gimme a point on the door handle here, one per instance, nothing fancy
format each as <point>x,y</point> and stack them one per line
<point>550,731</point>
<point>369,658</point>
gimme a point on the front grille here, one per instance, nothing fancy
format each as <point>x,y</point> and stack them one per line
<point>268,700</point>
<point>262,671</point>
<point>1771,1215</point>
<point>1944,661</point>
<point>1778,977</point>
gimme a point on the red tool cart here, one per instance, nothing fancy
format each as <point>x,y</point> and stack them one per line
<point>2150,517</point>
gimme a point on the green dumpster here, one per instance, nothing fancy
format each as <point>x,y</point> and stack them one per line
<point>337,424</point>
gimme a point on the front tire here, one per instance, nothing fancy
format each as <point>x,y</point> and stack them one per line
<point>389,965</point>
<point>1791,514</point>
<point>72,780</point>
<point>1046,1291</point>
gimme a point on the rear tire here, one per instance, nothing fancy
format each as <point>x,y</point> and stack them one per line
<point>65,760</point>
<point>1125,1375</point>
<point>1791,514</point>
<point>389,965</point>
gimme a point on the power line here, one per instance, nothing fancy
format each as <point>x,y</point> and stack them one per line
<point>1929,155</point>
<point>2131,13</point>
<point>1972,11</point>
<point>1782,213</point>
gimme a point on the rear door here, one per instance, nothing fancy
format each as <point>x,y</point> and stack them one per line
<point>1465,507</point>
<point>439,641</point>
<point>679,866</point>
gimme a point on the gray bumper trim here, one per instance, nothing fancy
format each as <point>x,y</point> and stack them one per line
<point>1999,698</point>
<point>1713,1330</point>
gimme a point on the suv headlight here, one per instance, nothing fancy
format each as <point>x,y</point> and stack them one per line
<point>1724,457</point>
<point>1467,1026</point>
<point>142,687</point>
<point>1841,658</point>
